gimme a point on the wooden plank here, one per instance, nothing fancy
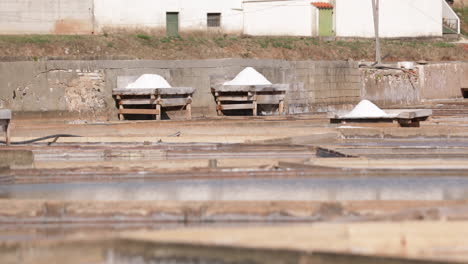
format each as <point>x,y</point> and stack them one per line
<point>175,101</point>
<point>237,106</point>
<point>234,98</point>
<point>137,101</point>
<point>270,98</point>
<point>139,111</point>
<point>163,102</point>
<point>176,91</point>
<point>124,91</point>
<point>251,88</point>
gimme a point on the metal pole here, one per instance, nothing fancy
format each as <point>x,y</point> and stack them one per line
<point>375,9</point>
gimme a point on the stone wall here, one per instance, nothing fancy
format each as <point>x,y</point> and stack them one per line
<point>84,88</point>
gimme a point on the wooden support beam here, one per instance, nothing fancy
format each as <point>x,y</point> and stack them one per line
<point>235,98</point>
<point>137,101</point>
<point>119,98</point>
<point>139,111</point>
<point>281,107</point>
<point>158,108</point>
<point>189,108</point>
<point>236,106</point>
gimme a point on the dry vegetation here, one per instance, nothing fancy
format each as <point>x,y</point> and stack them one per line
<point>140,45</point>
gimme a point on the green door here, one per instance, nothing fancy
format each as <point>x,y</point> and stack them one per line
<point>325,22</point>
<point>172,24</point>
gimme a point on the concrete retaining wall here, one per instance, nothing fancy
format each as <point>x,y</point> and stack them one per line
<point>84,88</point>
<point>432,81</point>
<point>390,87</point>
<point>443,80</point>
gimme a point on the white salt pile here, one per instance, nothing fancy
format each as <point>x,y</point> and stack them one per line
<point>249,76</point>
<point>146,81</point>
<point>366,109</point>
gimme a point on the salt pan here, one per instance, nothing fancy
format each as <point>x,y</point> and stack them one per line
<point>148,81</point>
<point>366,109</point>
<point>249,76</point>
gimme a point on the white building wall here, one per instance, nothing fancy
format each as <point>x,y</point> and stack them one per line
<point>278,17</point>
<point>152,13</point>
<point>398,18</point>
<point>46,16</point>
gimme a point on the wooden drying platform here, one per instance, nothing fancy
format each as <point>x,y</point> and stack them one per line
<point>150,101</point>
<point>402,117</point>
<point>233,97</point>
<point>5,118</point>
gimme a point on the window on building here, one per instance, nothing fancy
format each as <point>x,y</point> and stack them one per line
<point>214,19</point>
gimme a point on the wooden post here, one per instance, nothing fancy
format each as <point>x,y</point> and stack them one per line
<point>281,107</point>
<point>375,10</point>
<point>254,101</point>
<point>7,131</point>
<point>189,107</point>
<point>121,117</point>
<point>158,107</point>
<point>218,104</point>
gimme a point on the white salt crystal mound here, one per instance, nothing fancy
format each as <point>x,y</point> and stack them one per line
<point>249,76</point>
<point>366,109</point>
<point>148,81</point>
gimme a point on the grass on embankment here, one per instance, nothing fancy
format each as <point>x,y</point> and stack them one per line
<point>141,45</point>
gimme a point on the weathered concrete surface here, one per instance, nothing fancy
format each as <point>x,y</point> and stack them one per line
<point>443,80</point>
<point>390,87</point>
<point>16,158</point>
<point>84,87</point>
<point>396,87</point>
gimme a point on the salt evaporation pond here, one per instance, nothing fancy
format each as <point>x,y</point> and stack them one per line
<point>297,189</point>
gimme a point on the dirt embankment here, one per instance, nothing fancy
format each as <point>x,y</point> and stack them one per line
<point>137,45</point>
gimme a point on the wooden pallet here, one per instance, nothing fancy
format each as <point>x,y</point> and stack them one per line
<point>150,101</point>
<point>234,97</point>
<point>5,119</point>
